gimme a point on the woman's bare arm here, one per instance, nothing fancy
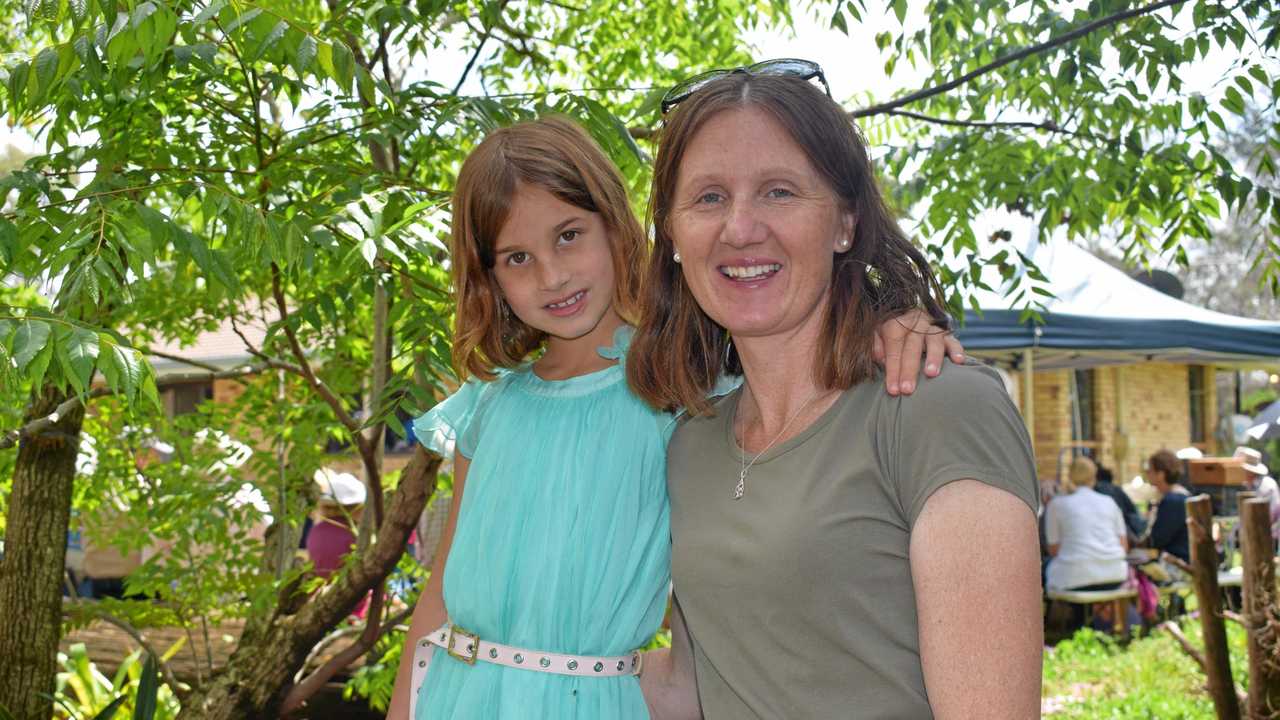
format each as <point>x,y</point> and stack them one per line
<point>975,565</point>
<point>430,612</point>
<point>668,682</point>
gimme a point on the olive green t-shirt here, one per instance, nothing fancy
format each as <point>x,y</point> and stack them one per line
<point>798,597</point>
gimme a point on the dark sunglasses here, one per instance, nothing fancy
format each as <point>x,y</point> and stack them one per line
<point>788,67</point>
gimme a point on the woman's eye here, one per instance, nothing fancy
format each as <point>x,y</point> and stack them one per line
<point>709,198</point>
<point>518,258</point>
<point>780,193</point>
<point>569,236</point>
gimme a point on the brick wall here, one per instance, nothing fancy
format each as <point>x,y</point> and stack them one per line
<point>1138,409</point>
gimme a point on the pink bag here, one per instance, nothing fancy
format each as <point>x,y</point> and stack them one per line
<point>1148,596</point>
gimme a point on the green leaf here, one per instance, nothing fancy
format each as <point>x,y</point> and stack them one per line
<point>305,55</point>
<point>364,83</point>
<point>343,66</point>
<point>208,12</point>
<point>40,364</point>
<point>110,711</point>
<point>277,31</point>
<point>145,704</point>
<point>8,243</point>
<point>31,338</point>
<point>79,355</point>
<point>324,55</point>
<point>241,19</point>
<point>46,68</point>
<point>79,9</point>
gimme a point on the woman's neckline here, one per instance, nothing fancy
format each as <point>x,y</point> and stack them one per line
<point>782,448</point>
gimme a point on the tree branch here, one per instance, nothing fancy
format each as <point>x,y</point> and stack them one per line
<point>39,425</point>
<point>1015,56</point>
<point>1047,125</point>
<point>304,366</point>
<point>308,687</point>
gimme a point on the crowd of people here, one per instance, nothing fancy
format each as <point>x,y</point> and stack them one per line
<point>1094,537</point>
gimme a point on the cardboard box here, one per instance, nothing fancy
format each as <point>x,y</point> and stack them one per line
<point>1217,471</point>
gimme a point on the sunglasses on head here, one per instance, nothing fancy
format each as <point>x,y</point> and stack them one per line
<point>786,67</point>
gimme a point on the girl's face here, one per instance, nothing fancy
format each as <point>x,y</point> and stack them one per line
<point>553,263</point>
<point>756,226</point>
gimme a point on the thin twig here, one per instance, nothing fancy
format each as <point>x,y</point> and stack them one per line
<point>1015,56</point>
<point>303,367</point>
<point>170,679</point>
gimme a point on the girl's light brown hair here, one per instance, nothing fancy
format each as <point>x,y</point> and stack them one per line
<point>678,351</point>
<point>557,155</point>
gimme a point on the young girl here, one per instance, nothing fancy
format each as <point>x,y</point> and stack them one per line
<point>557,567</point>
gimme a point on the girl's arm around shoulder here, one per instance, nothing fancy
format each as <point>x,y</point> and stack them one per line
<point>667,679</point>
<point>976,568</point>
<point>430,612</point>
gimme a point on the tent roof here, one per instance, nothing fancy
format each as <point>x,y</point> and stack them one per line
<point>1101,316</point>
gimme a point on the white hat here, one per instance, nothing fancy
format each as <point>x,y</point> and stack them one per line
<point>342,488</point>
<point>1252,460</point>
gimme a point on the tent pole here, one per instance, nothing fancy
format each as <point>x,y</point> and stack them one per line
<point>1028,394</point>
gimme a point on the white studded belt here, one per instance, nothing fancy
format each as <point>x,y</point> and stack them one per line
<point>469,647</point>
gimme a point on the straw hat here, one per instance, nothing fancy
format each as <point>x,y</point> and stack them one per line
<point>1252,460</point>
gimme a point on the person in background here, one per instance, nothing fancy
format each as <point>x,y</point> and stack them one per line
<point>1086,535</point>
<point>334,520</point>
<point>1133,521</point>
<point>1261,483</point>
<point>1168,531</point>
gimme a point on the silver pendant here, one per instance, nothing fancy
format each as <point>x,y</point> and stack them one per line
<point>741,489</point>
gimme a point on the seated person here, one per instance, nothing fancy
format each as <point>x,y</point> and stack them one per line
<point>1168,531</point>
<point>1133,520</point>
<point>1086,535</point>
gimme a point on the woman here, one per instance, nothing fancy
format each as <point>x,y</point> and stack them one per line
<point>1086,535</point>
<point>835,552</point>
<point>1169,528</point>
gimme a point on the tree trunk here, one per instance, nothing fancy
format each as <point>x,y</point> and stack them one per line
<point>1260,618</point>
<point>35,551</point>
<point>1204,560</point>
<point>260,672</point>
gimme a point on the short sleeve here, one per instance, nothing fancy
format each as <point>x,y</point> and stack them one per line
<point>449,425</point>
<point>960,425</point>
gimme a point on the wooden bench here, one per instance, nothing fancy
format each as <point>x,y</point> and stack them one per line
<point>1120,598</point>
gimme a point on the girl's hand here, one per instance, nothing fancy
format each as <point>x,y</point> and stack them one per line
<point>899,344</point>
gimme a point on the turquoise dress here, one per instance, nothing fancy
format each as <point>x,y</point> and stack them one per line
<point>563,540</point>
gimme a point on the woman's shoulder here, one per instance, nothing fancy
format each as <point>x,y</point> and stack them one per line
<point>968,391</point>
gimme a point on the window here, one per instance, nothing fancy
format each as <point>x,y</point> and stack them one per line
<point>1196,394</point>
<point>183,398</point>
<point>1083,406</point>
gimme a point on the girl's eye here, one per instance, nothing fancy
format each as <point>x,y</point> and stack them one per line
<point>518,258</point>
<point>569,236</point>
<point>780,193</point>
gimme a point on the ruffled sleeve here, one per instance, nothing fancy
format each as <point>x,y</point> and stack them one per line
<point>443,428</point>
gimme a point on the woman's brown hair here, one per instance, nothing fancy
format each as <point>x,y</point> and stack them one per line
<point>678,351</point>
<point>557,155</point>
<point>1168,463</point>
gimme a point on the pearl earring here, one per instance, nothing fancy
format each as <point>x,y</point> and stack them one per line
<point>676,256</point>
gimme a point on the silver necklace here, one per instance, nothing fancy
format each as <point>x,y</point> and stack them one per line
<point>741,488</point>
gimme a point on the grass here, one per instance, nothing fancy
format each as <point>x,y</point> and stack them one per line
<point>1091,676</point>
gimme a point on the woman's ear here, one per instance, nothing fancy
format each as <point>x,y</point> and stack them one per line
<point>844,238</point>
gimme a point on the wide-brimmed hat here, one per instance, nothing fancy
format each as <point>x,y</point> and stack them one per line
<point>339,487</point>
<point>1252,460</point>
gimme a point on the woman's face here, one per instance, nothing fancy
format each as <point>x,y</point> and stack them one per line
<point>1157,479</point>
<point>756,227</point>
